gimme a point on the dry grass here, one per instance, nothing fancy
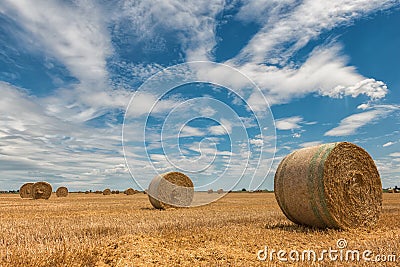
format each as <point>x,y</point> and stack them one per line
<point>90,230</point>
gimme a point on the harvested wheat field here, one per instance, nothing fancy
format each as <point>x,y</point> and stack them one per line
<point>91,230</point>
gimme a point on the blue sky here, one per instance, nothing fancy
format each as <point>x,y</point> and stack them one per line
<point>68,70</point>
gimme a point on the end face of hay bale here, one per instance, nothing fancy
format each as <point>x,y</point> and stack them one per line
<point>26,190</point>
<point>172,189</point>
<point>41,190</point>
<point>106,192</point>
<point>62,191</point>
<point>332,185</point>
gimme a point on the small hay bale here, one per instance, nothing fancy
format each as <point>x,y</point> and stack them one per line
<point>117,192</point>
<point>390,190</point>
<point>106,192</point>
<point>130,191</point>
<point>220,191</point>
<point>172,189</point>
<point>26,190</point>
<point>41,190</point>
<point>62,191</point>
<point>210,191</point>
<point>333,185</point>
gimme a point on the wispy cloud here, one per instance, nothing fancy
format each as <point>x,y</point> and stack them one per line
<point>299,23</point>
<point>352,123</point>
<point>193,23</point>
<point>325,72</point>
<point>34,143</point>
<point>388,144</point>
<point>290,123</point>
<point>310,144</point>
<point>289,26</point>
<point>76,34</point>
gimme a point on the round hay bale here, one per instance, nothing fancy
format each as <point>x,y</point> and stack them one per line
<point>41,190</point>
<point>220,191</point>
<point>62,191</point>
<point>333,185</point>
<point>26,190</point>
<point>210,191</point>
<point>130,191</point>
<point>172,189</point>
<point>106,192</point>
<point>390,190</point>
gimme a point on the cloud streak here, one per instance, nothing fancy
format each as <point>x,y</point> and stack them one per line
<point>350,124</point>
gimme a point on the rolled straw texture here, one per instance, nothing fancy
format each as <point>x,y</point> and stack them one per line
<point>62,191</point>
<point>107,192</point>
<point>333,185</point>
<point>172,189</point>
<point>41,190</point>
<point>26,190</point>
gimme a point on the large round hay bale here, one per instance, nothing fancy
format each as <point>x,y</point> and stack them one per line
<point>41,190</point>
<point>333,185</point>
<point>172,189</point>
<point>26,190</point>
<point>106,192</point>
<point>220,191</point>
<point>62,191</point>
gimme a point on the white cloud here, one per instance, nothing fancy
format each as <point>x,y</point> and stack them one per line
<point>288,26</point>
<point>257,142</point>
<point>264,11</point>
<point>192,22</point>
<point>325,72</point>
<point>294,25</point>
<point>224,128</point>
<point>395,154</point>
<point>191,131</point>
<point>37,144</point>
<point>290,123</point>
<point>351,124</point>
<point>76,34</point>
<point>310,144</point>
<point>388,144</point>
<point>363,106</point>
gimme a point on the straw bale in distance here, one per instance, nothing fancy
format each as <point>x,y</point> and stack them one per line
<point>210,191</point>
<point>26,190</point>
<point>106,192</point>
<point>220,191</point>
<point>172,189</point>
<point>333,185</point>
<point>130,191</point>
<point>62,191</point>
<point>41,190</point>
